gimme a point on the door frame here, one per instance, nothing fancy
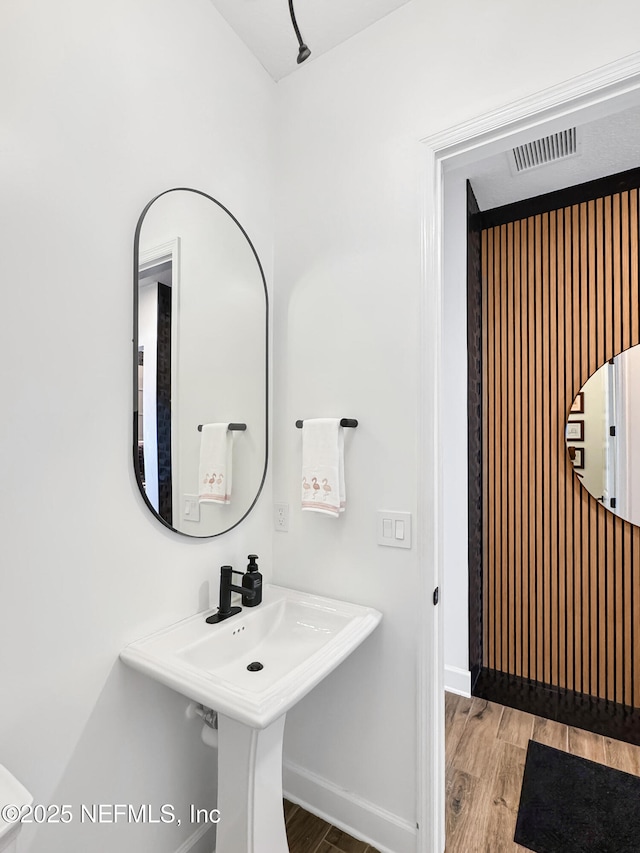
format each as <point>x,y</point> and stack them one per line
<point>169,251</point>
<point>603,91</point>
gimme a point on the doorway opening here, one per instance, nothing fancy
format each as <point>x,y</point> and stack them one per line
<point>448,158</point>
<point>155,374</point>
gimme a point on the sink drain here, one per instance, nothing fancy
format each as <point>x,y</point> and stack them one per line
<point>256,666</point>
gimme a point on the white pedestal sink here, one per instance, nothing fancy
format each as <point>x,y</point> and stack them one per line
<point>297,639</point>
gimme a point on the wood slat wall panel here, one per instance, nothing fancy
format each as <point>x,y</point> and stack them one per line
<point>560,296</point>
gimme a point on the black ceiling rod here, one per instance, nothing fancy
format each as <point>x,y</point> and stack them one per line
<point>304,52</point>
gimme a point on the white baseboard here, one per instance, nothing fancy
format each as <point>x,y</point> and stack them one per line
<point>356,816</point>
<point>197,843</point>
<point>457,681</point>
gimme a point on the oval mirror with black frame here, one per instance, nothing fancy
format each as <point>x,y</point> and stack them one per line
<point>602,432</point>
<point>200,352</point>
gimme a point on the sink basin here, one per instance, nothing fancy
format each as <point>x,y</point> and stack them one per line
<point>298,639</point>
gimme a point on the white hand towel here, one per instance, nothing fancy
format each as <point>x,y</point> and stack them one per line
<point>214,474</point>
<point>323,466</point>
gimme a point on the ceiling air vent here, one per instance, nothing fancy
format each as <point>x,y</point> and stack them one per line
<point>558,146</point>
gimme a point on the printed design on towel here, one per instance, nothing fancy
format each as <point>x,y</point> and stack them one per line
<point>314,489</point>
<point>213,479</point>
<point>319,494</point>
<point>212,488</point>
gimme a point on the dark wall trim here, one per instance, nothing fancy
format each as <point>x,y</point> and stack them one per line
<point>610,719</point>
<point>560,198</point>
<point>474,431</point>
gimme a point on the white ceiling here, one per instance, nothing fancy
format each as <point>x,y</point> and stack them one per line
<point>606,146</point>
<point>265,26</point>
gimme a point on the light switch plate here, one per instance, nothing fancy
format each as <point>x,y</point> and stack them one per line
<point>394,528</point>
<point>190,508</point>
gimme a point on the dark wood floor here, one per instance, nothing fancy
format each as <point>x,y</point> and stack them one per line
<point>309,834</point>
<point>486,746</point>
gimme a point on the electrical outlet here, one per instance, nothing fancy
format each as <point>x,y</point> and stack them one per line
<point>281,517</point>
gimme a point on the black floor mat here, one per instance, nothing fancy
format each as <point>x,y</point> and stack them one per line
<point>571,805</point>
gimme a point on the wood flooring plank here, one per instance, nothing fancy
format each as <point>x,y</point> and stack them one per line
<point>504,798</point>
<point>305,831</point>
<point>456,711</point>
<point>476,742</point>
<point>450,704</point>
<point>516,727</point>
<point>586,744</point>
<point>551,733</point>
<point>465,817</point>
<point>622,756</point>
<point>289,809</point>
<point>326,847</point>
<point>476,841</point>
<point>345,843</point>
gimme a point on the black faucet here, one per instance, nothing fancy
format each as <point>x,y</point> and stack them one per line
<point>226,588</point>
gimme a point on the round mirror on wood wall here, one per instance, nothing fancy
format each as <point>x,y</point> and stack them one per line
<point>603,435</point>
<point>200,362</point>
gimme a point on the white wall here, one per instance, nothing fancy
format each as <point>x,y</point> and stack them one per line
<point>348,268</point>
<point>103,106</point>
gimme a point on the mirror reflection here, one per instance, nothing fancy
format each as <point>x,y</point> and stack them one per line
<point>601,434</point>
<point>200,364</point>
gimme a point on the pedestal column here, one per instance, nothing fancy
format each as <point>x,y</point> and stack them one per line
<point>250,788</point>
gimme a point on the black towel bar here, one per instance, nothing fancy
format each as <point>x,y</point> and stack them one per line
<point>234,427</point>
<point>344,422</point>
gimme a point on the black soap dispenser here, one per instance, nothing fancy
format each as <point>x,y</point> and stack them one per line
<point>252,581</point>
